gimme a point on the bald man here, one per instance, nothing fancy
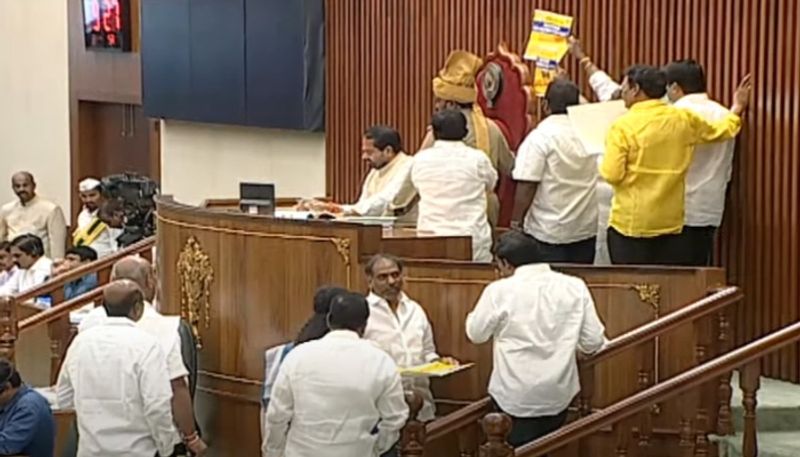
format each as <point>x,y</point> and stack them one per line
<point>165,330</point>
<point>115,378</point>
<point>35,215</point>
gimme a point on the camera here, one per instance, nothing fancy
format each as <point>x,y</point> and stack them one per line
<point>136,194</point>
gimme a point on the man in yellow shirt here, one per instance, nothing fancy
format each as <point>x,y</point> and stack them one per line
<point>648,152</point>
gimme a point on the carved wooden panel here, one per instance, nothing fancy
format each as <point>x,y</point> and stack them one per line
<point>382,55</point>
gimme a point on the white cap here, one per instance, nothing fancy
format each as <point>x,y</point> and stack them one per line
<point>88,184</point>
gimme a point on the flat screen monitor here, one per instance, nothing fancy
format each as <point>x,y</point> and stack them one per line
<point>256,198</point>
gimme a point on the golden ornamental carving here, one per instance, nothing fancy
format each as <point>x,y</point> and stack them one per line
<point>343,248</point>
<point>195,275</point>
<point>650,294</point>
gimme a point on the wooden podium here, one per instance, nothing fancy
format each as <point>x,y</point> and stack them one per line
<point>246,283</point>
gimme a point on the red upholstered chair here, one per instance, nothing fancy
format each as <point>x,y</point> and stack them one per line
<point>504,94</point>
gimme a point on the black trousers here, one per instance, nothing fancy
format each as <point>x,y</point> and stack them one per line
<point>527,429</point>
<point>698,243</point>
<point>577,252</point>
<point>658,250</point>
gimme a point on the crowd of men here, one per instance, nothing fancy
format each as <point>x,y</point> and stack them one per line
<point>124,375</point>
<point>33,244</point>
<point>655,195</point>
<point>336,390</point>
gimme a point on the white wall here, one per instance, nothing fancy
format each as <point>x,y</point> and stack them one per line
<point>200,161</point>
<point>34,96</point>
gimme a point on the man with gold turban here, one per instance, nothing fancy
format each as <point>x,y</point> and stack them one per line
<point>455,88</point>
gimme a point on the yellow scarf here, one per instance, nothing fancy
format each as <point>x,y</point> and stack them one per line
<point>88,235</point>
<point>481,126</point>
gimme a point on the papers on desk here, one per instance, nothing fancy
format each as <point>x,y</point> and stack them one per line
<point>291,214</point>
<point>433,370</point>
<point>592,121</point>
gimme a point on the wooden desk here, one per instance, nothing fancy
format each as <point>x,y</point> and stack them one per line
<point>259,275</point>
<point>262,273</point>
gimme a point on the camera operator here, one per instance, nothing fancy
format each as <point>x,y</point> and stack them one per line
<point>130,207</point>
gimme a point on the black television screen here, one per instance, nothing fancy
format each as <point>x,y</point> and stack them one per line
<point>107,24</point>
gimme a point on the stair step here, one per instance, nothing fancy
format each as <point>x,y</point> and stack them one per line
<point>778,407</point>
<point>770,444</point>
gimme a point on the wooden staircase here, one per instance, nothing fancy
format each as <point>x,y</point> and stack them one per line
<point>33,333</point>
<point>624,429</point>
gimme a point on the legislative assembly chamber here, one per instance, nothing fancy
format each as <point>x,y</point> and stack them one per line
<point>365,228</point>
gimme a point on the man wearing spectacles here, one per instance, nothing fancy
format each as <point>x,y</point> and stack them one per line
<point>26,421</point>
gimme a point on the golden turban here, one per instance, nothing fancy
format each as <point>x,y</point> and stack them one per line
<point>456,81</point>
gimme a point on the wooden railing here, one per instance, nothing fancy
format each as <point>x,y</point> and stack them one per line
<point>496,426</point>
<point>57,316</point>
<point>717,302</point>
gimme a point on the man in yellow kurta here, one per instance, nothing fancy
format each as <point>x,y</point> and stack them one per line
<point>454,88</point>
<point>648,152</point>
<point>382,193</point>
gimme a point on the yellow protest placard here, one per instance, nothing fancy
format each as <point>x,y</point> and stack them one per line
<point>547,45</point>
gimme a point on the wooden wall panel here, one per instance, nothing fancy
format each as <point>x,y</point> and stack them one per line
<point>382,55</point>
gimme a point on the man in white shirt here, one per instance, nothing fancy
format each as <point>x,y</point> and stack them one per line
<point>115,378</point>
<point>711,167</point>
<point>35,215</point>
<point>92,231</point>
<point>452,180</point>
<point>539,320</point>
<point>556,183</point>
<point>339,396</point>
<point>165,330</point>
<point>33,267</point>
<point>398,325</point>
<point>7,266</point>
<point>382,193</point>
<point>606,89</point>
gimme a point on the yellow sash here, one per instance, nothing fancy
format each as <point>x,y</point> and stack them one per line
<point>88,235</point>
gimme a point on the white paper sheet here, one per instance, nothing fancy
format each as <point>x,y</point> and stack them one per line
<point>592,122</point>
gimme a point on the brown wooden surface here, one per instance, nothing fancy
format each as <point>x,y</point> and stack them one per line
<point>671,389</point>
<point>266,271</point>
<point>64,421</point>
<point>448,291</point>
<point>108,131</point>
<point>383,54</point>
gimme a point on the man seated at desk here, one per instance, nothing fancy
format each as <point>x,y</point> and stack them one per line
<point>382,193</point>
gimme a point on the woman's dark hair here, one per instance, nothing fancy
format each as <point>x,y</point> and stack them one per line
<point>5,246</point>
<point>317,326</point>
<point>29,244</point>
<point>8,374</point>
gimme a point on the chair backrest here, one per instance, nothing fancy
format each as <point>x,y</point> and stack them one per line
<point>189,353</point>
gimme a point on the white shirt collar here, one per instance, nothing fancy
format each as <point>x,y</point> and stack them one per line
<point>448,144</point>
<point>376,300</point>
<point>532,269</point>
<point>693,98</point>
<point>42,263</point>
<point>124,321</point>
<point>343,334</point>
